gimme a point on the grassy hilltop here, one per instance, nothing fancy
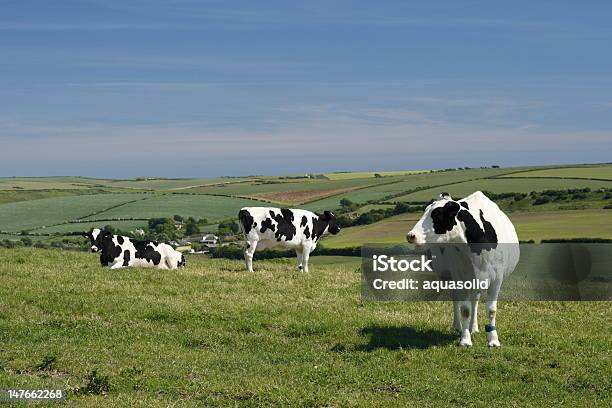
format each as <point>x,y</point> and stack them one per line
<point>212,335</point>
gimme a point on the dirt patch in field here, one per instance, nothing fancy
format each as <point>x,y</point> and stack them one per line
<point>301,197</point>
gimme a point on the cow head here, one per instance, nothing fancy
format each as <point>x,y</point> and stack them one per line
<point>438,224</point>
<point>332,222</point>
<point>96,238</point>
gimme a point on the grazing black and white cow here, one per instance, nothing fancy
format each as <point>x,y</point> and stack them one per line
<point>267,227</point>
<point>120,252</point>
<point>487,249</point>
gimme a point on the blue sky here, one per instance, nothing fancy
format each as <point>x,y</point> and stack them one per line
<point>206,88</point>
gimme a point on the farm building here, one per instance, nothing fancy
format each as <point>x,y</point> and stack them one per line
<point>210,240</point>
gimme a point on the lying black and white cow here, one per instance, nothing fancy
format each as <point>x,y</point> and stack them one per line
<point>267,227</point>
<point>119,252</point>
<point>487,249</point>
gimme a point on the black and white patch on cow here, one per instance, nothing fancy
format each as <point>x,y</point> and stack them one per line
<point>268,227</point>
<point>486,246</point>
<point>118,251</point>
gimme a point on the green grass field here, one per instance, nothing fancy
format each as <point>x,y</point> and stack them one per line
<point>50,211</point>
<point>500,185</point>
<point>214,335</point>
<point>395,186</point>
<point>129,225</point>
<point>531,225</point>
<point>50,203</point>
<point>563,224</point>
<point>213,208</point>
<point>8,196</point>
<point>257,186</point>
<point>38,185</point>
<point>367,174</point>
<point>388,231</point>
<point>594,172</point>
<point>168,184</point>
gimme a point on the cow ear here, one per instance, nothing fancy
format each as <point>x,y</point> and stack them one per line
<point>451,208</point>
<point>85,234</point>
<point>327,215</point>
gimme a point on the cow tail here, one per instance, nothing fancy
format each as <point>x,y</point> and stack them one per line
<point>242,220</point>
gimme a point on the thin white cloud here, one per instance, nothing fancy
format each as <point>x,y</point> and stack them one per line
<point>50,26</point>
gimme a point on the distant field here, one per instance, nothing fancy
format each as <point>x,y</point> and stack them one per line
<point>50,211</point>
<point>596,172</point>
<point>169,184</point>
<point>86,226</point>
<point>10,196</point>
<point>371,207</point>
<point>403,184</point>
<point>367,174</point>
<point>533,225</point>
<point>213,208</point>
<point>47,201</point>
<point>563,224</point>
<point>501,185</point>
<point>55,179</point>
<point>299,197</point>
<point>40,185</point>
<point>255,188</point>
<point>12,237</point>
<point>388,231</point>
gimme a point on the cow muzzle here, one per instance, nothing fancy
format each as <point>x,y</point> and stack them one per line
<point>415,238</point>
<point>94,249</point>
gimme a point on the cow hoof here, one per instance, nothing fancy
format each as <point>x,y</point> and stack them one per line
<point>474,330</point>
<point>465,342</point>
<point>494,343</point>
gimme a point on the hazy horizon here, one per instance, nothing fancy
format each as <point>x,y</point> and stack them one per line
<point>154,176</point>
<point>183,89</point>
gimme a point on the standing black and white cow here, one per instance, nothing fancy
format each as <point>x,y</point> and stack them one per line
<point>120,252</point>
<point>267,227</point>
<point>484,245</point>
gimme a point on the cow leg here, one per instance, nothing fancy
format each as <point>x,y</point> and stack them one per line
<point>248,254</point>
<point>117,265</point>
<point>305,257</point>
<point>474,322</point>
<point>456,318</point>
<point>466,316</point>
<point>492,339</point>
<point>300,253</point>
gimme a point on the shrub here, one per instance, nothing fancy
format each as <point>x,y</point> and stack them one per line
<point>191,226</point>
<point>228,227</point>
<point>96,384</point>
<point>541,200</point>
<point>48,363</point>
